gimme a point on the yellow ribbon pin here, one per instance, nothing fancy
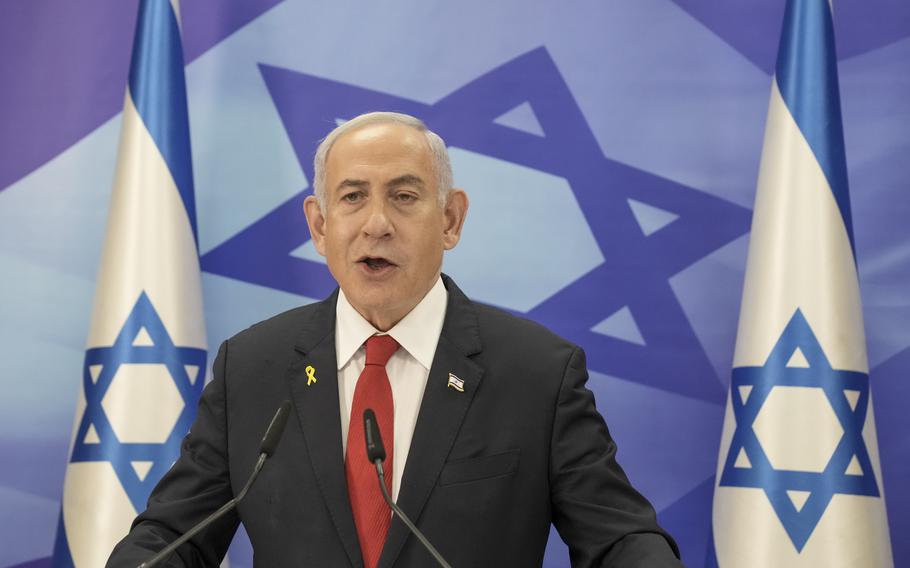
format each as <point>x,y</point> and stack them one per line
<point>310,375</point>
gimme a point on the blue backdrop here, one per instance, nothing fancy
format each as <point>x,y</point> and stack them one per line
<point>610,150</point>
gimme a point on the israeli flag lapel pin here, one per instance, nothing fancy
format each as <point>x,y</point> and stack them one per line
<point>455,383</point>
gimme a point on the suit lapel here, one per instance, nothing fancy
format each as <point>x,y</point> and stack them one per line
<point>441,413</point>
<point>317,408</point>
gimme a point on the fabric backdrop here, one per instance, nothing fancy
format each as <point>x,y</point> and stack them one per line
<point>610,150</point>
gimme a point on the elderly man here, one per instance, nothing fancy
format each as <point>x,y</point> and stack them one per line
<point>490,433</point>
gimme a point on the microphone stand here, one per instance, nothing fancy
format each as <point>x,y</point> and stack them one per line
<point>165,552</point>
<point>404,518</point>
<point>376,453</point>
<point>266,447</point>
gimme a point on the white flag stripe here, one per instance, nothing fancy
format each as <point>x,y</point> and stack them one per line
<point>795,212</point>
<point>149,242</point>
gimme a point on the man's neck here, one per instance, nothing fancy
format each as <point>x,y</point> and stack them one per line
<point>418,331</point>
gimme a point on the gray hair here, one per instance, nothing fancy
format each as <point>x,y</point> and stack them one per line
<point>437,146</point>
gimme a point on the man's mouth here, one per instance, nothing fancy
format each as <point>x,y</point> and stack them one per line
<point>376,263</point>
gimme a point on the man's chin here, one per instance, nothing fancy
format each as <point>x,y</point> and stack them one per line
<point>373,294</point>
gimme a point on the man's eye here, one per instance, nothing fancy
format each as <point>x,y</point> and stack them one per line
<point>405,197</point>
<point>352,197</point>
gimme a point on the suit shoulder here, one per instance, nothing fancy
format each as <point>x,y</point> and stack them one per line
<point>500,327</point>
<point>286,325</point>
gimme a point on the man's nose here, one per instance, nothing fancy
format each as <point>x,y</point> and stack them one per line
<point>377,224</point>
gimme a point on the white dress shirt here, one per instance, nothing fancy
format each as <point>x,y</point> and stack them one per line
<point>417,334</point>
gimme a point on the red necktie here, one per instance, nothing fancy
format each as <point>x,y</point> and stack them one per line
<point>372,516</point>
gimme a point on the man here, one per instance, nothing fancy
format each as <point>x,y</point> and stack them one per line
<point>490,432</point>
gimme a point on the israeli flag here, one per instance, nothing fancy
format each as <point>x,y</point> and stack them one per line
<point>146,355</point>
<point>798,478</point>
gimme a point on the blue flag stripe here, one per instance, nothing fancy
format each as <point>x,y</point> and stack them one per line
<point>807,79</point>
<point>158,90</point>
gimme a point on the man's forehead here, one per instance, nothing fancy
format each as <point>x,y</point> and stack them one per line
<point>381,138</point>
<point>381,145</point>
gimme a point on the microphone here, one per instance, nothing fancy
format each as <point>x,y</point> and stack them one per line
<point>376,454</point>
<point>266,448</point>
<point>275,430</point>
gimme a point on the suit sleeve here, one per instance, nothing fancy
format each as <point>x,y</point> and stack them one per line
<point>601,517</point>
<point>197,485</point>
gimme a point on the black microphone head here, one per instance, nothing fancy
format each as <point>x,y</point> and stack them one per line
<point>375,449</point>
<point>275,429</point>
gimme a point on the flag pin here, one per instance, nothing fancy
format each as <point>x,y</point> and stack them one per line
<point>456,383</point>
<point>310,375</point>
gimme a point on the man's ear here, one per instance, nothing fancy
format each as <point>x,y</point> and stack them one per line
<point>455,212</point>
<point>315,220</point>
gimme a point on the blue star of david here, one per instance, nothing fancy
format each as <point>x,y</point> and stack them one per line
<point>108,446</point>
<point>637,267</point>
<point>799,523</point>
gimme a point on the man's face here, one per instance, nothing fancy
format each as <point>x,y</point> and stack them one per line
<point>383,231</point>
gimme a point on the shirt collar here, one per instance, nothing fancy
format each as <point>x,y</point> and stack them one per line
<point>418,332</point>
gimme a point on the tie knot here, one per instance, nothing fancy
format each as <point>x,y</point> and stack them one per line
<point>380,349</point>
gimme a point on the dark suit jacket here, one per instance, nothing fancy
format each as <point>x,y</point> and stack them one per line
<point>488,469</point>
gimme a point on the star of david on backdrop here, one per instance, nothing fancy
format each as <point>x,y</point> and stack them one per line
<point>139,461</point>
<point>637,267</point>
<point>849,469</point>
